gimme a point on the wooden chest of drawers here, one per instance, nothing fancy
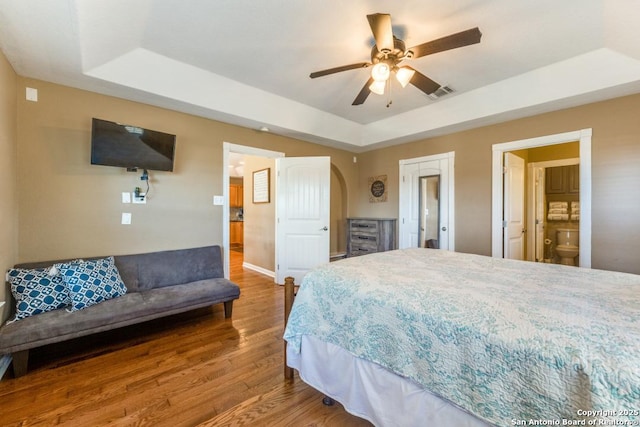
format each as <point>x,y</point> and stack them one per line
<point>370,235</point>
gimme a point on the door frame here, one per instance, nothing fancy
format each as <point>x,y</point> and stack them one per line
<point>532,199</point>
<point>228,147</point>
<point>583,136</point>
<point>450,157</point>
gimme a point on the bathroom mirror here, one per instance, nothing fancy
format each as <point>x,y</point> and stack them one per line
<point>429,211</point>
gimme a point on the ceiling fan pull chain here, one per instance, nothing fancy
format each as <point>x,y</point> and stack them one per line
<point>389,100</point>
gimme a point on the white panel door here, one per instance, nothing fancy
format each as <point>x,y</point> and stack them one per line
<point>513,207</point>
<point>302,215</point>
<point>410,208</point>
<point>409,227</point>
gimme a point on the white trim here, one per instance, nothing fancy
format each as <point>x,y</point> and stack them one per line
<point>583,136</point>
<point>450,156</point>
<point>228,147</point>
<point>260,270</point>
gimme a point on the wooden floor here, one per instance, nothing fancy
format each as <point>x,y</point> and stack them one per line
<point>193,369</point>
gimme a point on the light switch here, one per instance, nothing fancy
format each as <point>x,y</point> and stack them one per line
<point>126,218</point>
<point>126,197</point>
<point>32,94</point>
<point>218,200</point>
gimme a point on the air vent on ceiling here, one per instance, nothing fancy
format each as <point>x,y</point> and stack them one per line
<point>440,92</point>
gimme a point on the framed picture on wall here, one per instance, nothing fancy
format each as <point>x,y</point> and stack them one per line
<point>378,189</point>
<point>261,186</point>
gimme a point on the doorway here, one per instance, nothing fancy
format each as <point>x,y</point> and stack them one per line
<point>227,149</point>
<point>263,240</point>
<point>553,203</point>
<point>498,203</point>
<point>426,202</point>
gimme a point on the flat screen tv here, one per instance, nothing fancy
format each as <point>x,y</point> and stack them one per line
<point>115,144</point>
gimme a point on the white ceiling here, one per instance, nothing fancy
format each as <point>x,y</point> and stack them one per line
<point>248,62</point>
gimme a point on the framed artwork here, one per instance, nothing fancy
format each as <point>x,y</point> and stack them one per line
<point>261,186</point>
<point>378,189</point>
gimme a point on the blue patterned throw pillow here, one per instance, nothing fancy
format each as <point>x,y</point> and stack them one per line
<point>91,282</point>
<point>37,291</point>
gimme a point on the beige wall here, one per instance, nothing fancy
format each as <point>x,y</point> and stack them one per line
<point>615,176</point>
<point>338,217</point>
<point>259,218</point>
<point>72,208</point>
<point>8,186</point>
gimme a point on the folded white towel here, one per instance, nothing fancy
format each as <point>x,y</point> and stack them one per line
<point>558,217</point>
<point>558,205</point>
<point>575,211</point>
<point>558,211</point>
<point>575,217</point>
<point>575,204</point>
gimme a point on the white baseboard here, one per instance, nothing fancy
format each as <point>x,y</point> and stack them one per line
<point>5,361</point>
<point>259,269</point>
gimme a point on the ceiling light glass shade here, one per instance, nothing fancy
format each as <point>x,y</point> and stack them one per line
<point>404,75</point>
<point>380,72</point>
<point>377,87</point>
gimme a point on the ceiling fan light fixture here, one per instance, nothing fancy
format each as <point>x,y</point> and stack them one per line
<point>380,72</point>
<point>404,75</point>
<point>377,87</point>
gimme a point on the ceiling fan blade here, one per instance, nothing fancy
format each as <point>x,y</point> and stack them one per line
<point>380,24</point>
<point>339,69</point>
<point>453,41</point>
<point>423,82</point>
<point>364,93</point>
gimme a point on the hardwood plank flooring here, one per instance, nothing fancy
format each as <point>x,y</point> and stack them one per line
<point>196,368</point>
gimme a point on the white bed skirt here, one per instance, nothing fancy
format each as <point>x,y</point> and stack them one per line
<point>369,391</point>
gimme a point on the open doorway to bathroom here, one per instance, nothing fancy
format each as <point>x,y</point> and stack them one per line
<point>553,199</point>
<point>532,151</point>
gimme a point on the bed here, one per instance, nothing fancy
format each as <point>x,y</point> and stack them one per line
<point>430,337</point>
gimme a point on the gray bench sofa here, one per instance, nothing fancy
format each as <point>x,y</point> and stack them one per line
<point>158,284</point>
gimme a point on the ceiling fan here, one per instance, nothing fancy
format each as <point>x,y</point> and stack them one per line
<point>388,52</point>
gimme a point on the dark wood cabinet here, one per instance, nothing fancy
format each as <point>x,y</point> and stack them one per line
<point>574,179</point>
<point>555,180</point>
<point>562,180</point>
<point>370,235</point>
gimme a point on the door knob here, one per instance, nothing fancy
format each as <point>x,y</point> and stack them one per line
<point>325,228</point>
<point>444,228</point>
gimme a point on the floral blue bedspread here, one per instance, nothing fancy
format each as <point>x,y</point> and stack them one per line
<point>506,340</point>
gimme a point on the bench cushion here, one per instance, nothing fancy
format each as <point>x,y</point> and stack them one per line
<point>136,307</point>
<point>167,268</point>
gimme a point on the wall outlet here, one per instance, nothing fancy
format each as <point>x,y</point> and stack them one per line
<point>140,200</point>
<point>126,197</point>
